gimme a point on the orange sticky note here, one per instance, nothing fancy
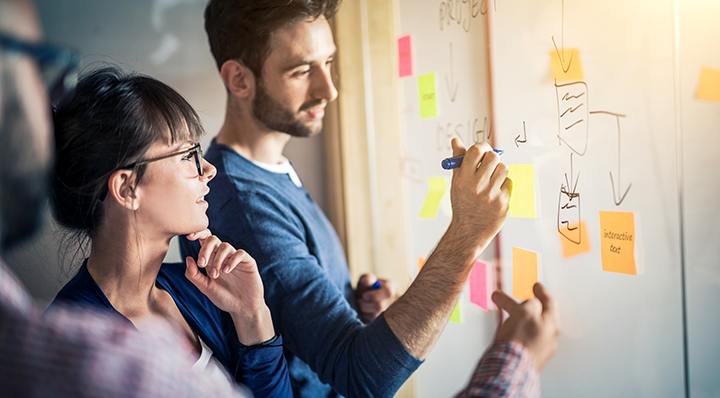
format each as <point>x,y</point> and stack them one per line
<point>709,85</point>
<point>568,68</point>
<point>404,56</point>
<point>571,248</point>
<point>522,199</point>
<point>617,242</point>
<point>421,263</point>
<point>525,273</point>
<point>455,316</point>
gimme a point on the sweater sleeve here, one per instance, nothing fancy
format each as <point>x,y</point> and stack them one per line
<point>317,322</point>
<point>506,370</point>
<point>264,371</point>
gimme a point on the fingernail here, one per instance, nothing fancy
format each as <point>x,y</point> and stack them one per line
<point>201,262</point>
<point>215,273</point>
<point>226,270</point>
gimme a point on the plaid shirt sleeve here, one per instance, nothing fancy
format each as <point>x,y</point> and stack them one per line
<point>506,370</point>
<point>73,353</point>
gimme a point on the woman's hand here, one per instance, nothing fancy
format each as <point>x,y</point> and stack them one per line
<point>233,284</point>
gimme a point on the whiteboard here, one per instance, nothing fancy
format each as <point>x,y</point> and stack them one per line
<point>640,142</point>
<point>622,334</point>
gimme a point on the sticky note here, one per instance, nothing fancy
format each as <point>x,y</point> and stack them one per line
<point>568,69</point>
<point>571,248</point>
<point>421,263</point>
<point>426,91</point>
<point>455,316</point>
<point>522,200</point>
<point>525,273</point>
<point>709,85</point>
<point>481,284</point>
<point>404,56</point>
<point>617,242</point>
<point>432,200</point>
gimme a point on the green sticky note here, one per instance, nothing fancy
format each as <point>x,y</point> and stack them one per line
<point>428,100</point>
<point>455,316</point>
<point>522,200</point>
<point>432,200</point>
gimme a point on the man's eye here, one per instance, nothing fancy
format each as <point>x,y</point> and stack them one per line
<point>188,156</point>
<point>301,72</point>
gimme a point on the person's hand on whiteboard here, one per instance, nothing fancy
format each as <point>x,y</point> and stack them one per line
<point>535,323</point>
<point>480,192</point>
<point>373,296</point>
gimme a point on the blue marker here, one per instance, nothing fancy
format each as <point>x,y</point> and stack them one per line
<point>376,285</point>
<point>455,162</point>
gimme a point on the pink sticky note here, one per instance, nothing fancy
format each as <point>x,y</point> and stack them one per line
<point>404,56</point>
<point>481,285</point>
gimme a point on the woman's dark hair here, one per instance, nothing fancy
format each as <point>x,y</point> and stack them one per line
<point>108,123</point>
<point>241,29</point>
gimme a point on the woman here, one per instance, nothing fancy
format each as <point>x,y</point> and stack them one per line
<point>129,176</point>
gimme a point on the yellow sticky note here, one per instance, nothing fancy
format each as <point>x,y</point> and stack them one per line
<point>432,200</point>
<point>525,273</point>
<point>617,242</point>
<point>571,248</point>
<point>567,69</point>
<point>709,85</point>
<point>522,200</point>
<point>455,316</point>
<point>428,100</point>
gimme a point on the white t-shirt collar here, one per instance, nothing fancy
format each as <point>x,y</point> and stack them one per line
<point>284,167</point>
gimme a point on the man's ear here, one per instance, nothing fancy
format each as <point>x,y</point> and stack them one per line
<point>238,78</point>
<point>122,189</point>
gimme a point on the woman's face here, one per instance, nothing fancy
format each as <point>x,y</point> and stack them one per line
<point>172,194</point>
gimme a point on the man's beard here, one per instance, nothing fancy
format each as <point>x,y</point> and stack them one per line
<point>270,113</point>
<point>23,174</point>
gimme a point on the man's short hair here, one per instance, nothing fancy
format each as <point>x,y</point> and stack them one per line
<point>241,29</point>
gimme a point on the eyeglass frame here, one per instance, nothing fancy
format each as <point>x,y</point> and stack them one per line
<point>198,155</point>
<point>45,55</point>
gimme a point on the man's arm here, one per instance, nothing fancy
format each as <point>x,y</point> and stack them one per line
<point>479,195</point>
<point>314,316</point>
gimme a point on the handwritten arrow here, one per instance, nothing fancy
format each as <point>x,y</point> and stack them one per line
<point>449,83</point>
<point>561,56</point>
<point>524,135</point>
<point>612,180</point>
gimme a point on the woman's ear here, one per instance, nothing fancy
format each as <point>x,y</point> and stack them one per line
<point>238,78</point>
<point>122,189</point>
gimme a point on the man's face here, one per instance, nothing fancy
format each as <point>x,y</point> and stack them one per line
<point>25,139</point>
<point>296,82</point>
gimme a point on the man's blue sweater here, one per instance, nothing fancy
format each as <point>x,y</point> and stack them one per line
<point>306,279</point>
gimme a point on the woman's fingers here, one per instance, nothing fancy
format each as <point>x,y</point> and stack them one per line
<point>202,235</point>
<point>219,258</point>
<point>209,246</point>
<point>239,257</point>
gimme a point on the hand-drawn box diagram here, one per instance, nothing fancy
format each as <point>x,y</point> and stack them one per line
<point>568,221</point>
<point>573,115</point>
<point>569,214</point>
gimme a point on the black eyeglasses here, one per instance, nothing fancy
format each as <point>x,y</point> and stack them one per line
<point>58,65</point>
<point>194,150</point>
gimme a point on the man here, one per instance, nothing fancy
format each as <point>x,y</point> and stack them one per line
<point>274,58</point>
<point>63,353</point>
